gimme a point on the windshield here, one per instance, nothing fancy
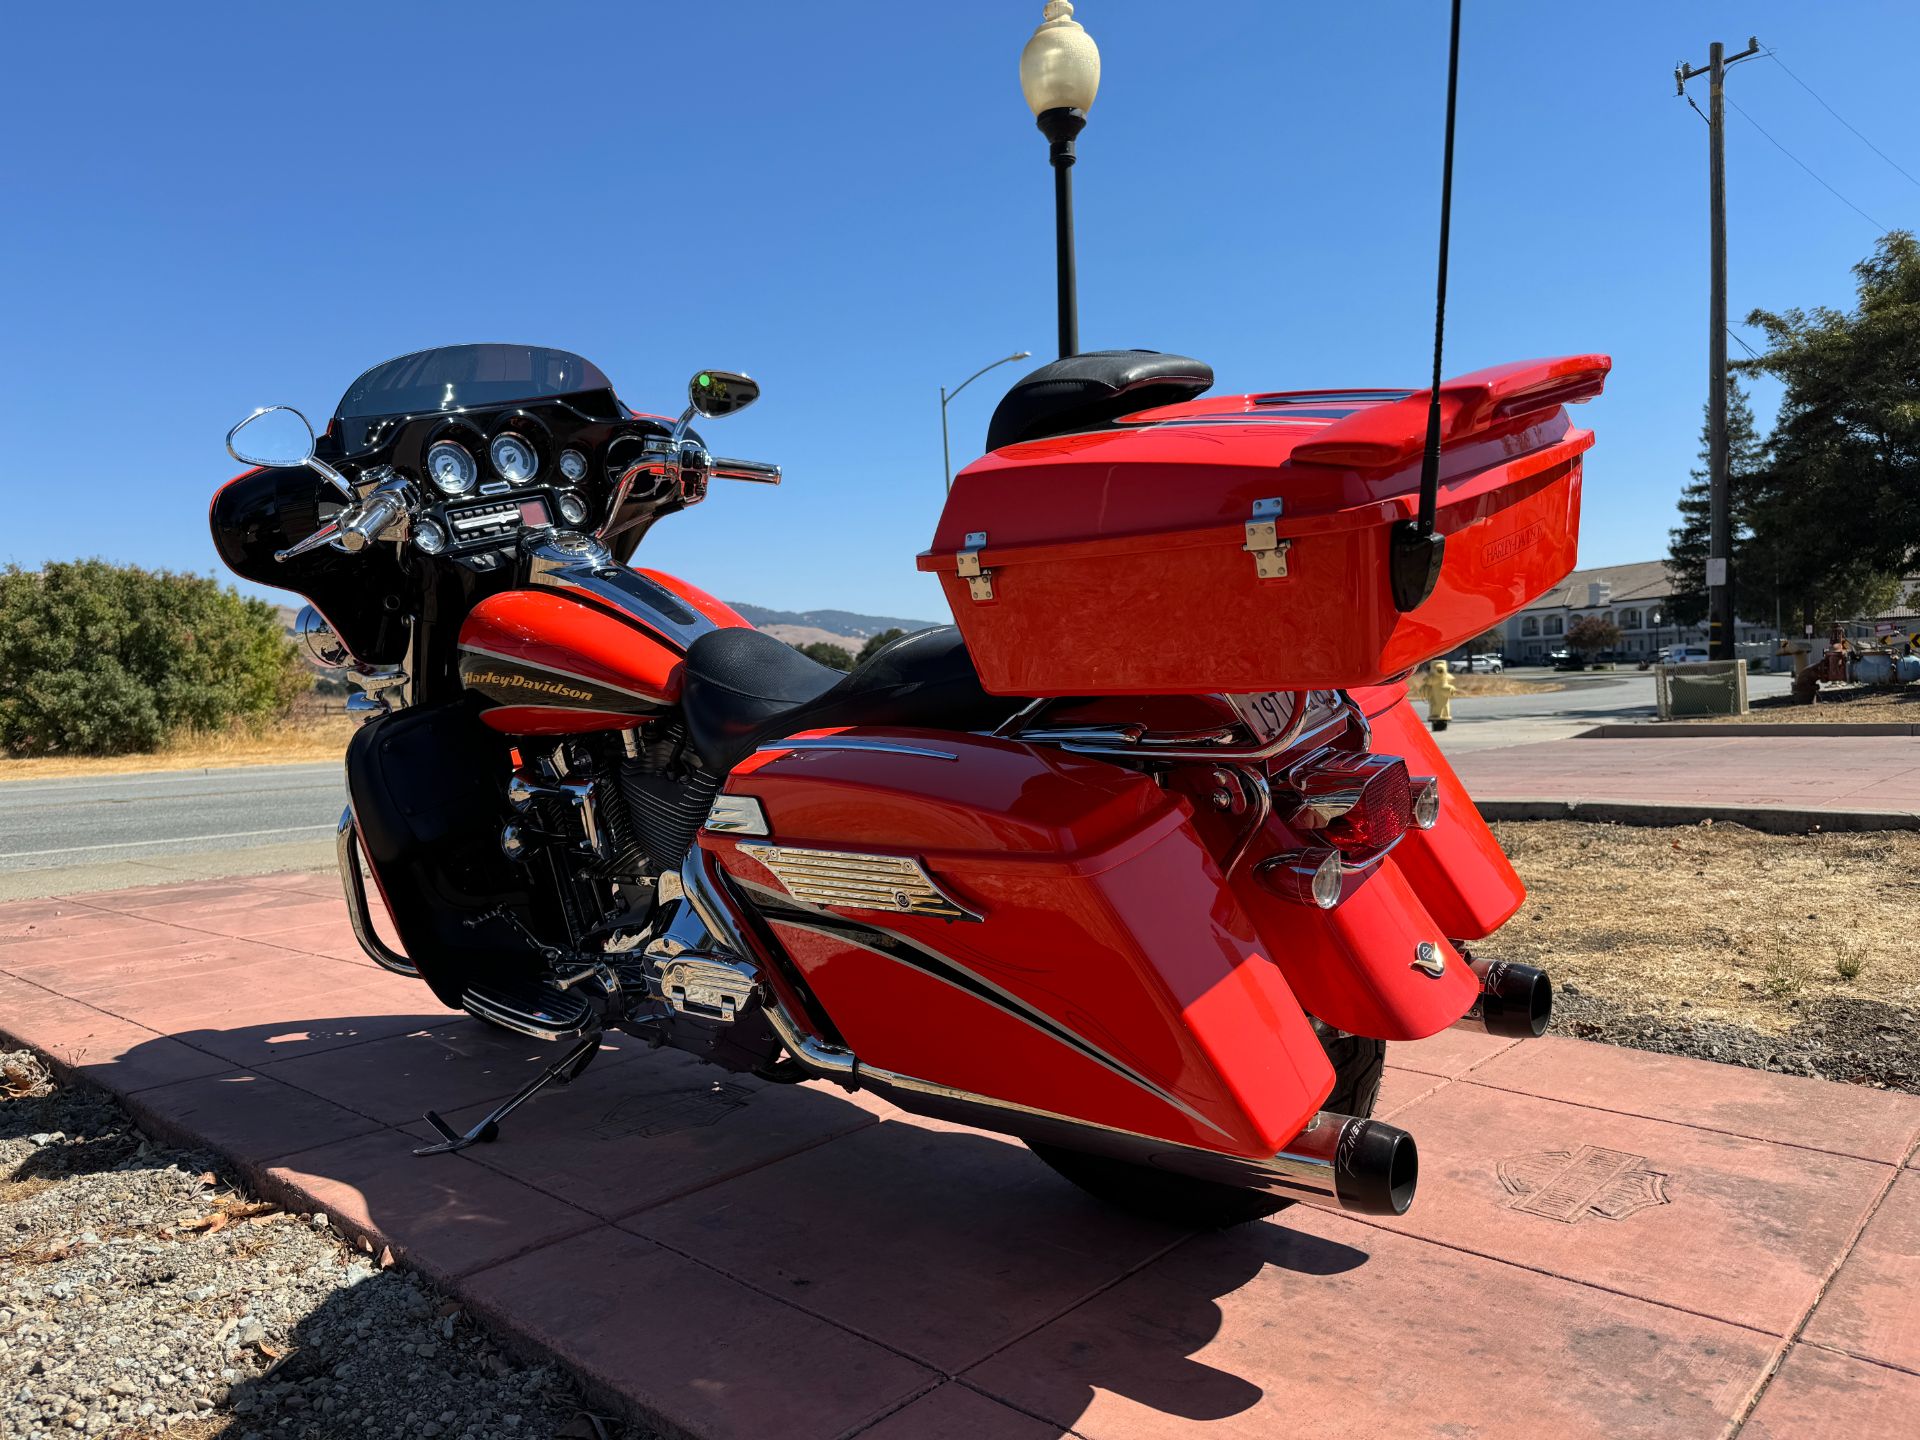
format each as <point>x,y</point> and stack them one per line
<point>457,377</point>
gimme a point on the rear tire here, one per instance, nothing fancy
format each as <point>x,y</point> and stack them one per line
<point>1206,1204</point>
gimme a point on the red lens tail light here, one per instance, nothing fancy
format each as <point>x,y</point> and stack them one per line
<point>1360,803</point>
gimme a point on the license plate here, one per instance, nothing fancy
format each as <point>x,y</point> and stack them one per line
<point>1267,715</point>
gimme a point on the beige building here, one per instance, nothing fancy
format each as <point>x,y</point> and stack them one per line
<point>1637,597</point>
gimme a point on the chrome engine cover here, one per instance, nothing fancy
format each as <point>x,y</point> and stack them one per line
<point>707,986</point>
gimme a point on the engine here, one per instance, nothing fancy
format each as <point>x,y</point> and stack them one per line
<point>615,817</point>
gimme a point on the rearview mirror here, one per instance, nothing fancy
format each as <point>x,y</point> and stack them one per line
<point>278,436</point>
<point>721,392</point>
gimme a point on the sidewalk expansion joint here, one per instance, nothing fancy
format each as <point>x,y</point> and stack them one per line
<point>1693,1124</point>
<point>1792,1337</point>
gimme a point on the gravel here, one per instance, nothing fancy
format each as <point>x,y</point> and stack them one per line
<point>1858,1042</point>
<point>144,1292</point>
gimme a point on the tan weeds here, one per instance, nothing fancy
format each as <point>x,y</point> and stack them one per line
<point>1748,927</point>
<point>289,742</point>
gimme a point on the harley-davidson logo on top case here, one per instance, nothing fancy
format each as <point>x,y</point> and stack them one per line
<point>1584,1184</point>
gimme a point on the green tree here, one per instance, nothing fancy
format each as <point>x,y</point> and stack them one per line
<point>1838,499</point>
<point>105,659</point>
<point>878,642</point>
<point>1591,634</point>
<point>1687,543</point>
<point>827,653</point>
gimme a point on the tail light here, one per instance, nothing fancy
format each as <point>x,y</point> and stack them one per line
<point>1360,803</point>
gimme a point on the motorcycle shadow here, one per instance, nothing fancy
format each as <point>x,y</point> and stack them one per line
<point>705,1193</point>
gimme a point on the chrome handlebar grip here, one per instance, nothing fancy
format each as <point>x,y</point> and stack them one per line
<point>372,519</point>
<point>757,471</point>
<point>355,527</point>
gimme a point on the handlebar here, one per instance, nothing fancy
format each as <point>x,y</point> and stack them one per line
<point>380,510</point>
<point>355,527</point>
<point>755,470</point>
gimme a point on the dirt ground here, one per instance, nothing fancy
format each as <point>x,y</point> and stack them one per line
<point>1784,952</point>
<point>319,738</point>
<point>1838,704</point>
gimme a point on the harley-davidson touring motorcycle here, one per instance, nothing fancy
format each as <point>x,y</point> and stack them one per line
<point>1141,861</point>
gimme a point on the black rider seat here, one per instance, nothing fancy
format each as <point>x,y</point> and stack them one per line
<point>741,688</point>
<point>1090,391</point>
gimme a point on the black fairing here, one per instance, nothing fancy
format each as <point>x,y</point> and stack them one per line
<point>425,787</point>
<point>264,511</point>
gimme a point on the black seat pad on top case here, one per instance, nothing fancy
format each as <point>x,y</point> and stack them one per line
<point>1091,391</point>
<point>741,688</point>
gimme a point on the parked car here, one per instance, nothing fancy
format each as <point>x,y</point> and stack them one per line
<point>1490,664</point>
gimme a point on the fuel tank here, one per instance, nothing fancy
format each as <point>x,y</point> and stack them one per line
<point>601,652</point>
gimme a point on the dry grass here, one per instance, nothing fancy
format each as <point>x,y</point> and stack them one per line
<point>1748,928</point>
<point>1838,705</point>
<point>317,738</point>
<point>1473,683</point>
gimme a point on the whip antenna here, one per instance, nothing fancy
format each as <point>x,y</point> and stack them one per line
<point>1417,549</point>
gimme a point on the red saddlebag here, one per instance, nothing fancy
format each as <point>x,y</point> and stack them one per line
<point>1027,925</point>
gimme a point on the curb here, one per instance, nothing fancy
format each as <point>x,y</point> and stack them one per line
<point>1770,819</point>
<point>1716,730</point>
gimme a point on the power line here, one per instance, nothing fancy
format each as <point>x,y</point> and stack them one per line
<point>1878,227</point>
<point>1771,55</point>
<point>1742,343</point>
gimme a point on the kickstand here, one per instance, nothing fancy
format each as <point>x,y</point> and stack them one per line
<point>565,1070</point>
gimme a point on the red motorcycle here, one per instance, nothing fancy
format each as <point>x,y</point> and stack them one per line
<point>1142,862</point>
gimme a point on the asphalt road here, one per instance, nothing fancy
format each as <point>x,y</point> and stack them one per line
<point>101,832</point>
<point>64,837</point>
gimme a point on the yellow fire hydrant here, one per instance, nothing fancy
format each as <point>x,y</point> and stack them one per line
<point>1436,687</point>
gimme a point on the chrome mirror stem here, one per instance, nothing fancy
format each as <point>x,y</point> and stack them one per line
<point>332,476</point>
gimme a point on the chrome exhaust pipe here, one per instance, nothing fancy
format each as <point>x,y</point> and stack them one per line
<point>1515,1000</point>
<point>1340,1162</point>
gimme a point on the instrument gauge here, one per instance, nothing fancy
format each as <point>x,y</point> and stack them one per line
<point>573,509</point>
<point>451,468</point>
<point>430,536</point>
<point>513,458</point>
<point>573,465</point>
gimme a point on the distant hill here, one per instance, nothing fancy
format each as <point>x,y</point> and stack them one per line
<point>844,628</point>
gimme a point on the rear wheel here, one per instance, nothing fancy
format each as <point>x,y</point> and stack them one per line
<point>1204,1204</point>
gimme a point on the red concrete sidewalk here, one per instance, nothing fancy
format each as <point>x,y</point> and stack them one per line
<point>1606,1243</point>
<point>1861,775</point>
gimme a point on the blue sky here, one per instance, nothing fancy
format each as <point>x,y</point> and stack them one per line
<point>212,208</point>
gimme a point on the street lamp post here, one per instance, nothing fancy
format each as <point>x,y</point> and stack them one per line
<point>946,455</point>
<point>1060,75</point>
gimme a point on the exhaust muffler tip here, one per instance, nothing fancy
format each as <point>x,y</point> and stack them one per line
<point>1376,1168</point>
<point>1515,1000</point>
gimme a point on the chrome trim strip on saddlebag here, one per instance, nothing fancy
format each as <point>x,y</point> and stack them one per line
<point>851,880</point>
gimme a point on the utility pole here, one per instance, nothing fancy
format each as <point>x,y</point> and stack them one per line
<point>1721,625</point>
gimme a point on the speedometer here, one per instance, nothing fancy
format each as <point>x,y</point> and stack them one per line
<point>513,458</point>
<point>451,468</point>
